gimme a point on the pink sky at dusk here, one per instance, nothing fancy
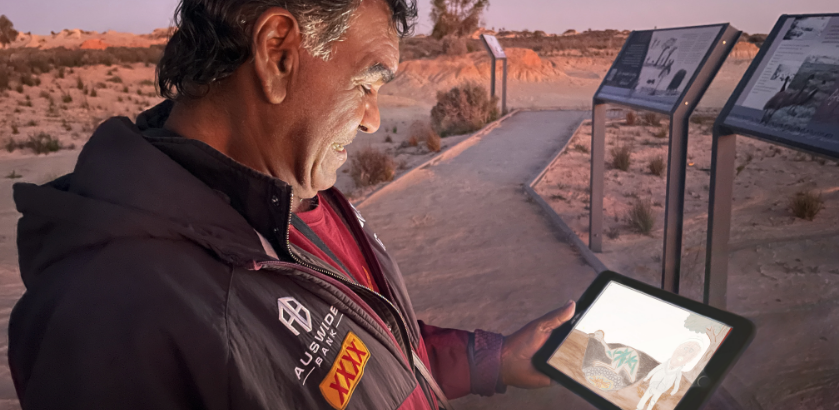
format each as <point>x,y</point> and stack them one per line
<point>552,16</point>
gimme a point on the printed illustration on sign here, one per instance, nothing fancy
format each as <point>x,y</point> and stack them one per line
<point>341,381</point>
<point>291,312</point>
<point>316,352</point>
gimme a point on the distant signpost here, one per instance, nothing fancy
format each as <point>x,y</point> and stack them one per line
<point>788,96</point>
<point>664,71</point>
<point>496,52</point>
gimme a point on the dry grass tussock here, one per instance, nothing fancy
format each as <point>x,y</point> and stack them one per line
<point>651,118</point>
<point>421,131</point>
<point>657,166</point>
<point>806,204</point>
<point>640,217</point>
<point>622,157</point>
<point>371,166</point>
<point>631,118</point>
<point>463,109</point>
<point>42,143</point>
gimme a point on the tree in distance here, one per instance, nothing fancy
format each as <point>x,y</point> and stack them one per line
<point>7,31</point>
<point>456,17</point>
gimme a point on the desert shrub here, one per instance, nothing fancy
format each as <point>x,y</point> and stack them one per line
<point>42,143</point>
<point>15,131</point>
<point>11,145</point>
<point>621,157</point>
<point>660,133</point>
<point>631,118</point>
<point>806,204</point>
<point>19,88</point>
<point>388,138</point>
<point>147,82</point>
<point>413,141</point>
<point>115,79</point>
<point>652,118</point>
<point>66,125</point>
<point>463,109</point>
<point>44,94</point>
<point>371,166</point>
<point>79,83</point>
<point>454,46</point>
<point>93,92</point>
<point>640,217</point>
<point>657,166</point>
<point>60,73</point>
<point>700,119</point>
<point>32,123</point>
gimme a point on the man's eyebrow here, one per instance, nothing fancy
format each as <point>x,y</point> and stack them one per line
<point>378,70</point>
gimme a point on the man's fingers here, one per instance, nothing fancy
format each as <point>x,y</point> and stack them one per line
<point>556,318</point>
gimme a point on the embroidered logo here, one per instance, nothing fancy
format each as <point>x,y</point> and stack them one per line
<point>291,312</point>
<point>340,383</point>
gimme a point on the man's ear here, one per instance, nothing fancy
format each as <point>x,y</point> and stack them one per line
<point>276,44</point>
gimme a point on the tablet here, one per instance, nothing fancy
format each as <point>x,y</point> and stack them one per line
<point>634,346</point>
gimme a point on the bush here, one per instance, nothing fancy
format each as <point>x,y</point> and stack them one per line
<point>67,98</point>
<point>147,82</point>
<point>806,204</point>
<point>93,92</point>
<point>463,109</point>
<point>28,79</point>
<point>115,79</point>
<point>641,217</point>
<point>651,118</point>
<point>42,143</point>
<point>371,166</point>
<point>657,166</point>
<point>631,118</point>
<point>60,72</point>
<point>412,141</point>
<point>15,131</point>
<point>621,157</point>
<point>79,83</point>
<point>44,94</point>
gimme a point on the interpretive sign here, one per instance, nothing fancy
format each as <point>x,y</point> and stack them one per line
<point>790,94</point>
<point>656,67</point>
<point>494,46</point>
<point>496,52</point>
<point>665,71</point>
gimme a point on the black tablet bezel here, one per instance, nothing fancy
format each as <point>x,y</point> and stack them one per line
<point>738,339</point>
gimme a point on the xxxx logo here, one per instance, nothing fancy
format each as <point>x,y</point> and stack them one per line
<point>346,372</point>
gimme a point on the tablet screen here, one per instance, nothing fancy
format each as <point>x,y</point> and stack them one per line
<point>638,351</point>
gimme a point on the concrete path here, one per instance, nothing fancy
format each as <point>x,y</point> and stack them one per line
<point>475,252</point>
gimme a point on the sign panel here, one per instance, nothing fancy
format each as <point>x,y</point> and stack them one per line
<point>791,94</point>
<point>655,67</point>
<point>494,46</point>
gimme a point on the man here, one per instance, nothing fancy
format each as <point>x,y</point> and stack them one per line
<point>200,259</point>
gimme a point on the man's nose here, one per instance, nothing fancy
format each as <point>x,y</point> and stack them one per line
<point>371,121</point>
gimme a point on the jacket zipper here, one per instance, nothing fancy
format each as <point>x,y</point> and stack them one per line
<point>402,327</point>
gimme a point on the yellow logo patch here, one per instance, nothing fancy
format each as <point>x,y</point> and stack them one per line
<point>340,383</point>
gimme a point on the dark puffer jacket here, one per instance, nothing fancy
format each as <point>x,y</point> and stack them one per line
<point>148,288</point>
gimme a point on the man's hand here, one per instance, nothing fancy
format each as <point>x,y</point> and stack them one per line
<point>518,349</point>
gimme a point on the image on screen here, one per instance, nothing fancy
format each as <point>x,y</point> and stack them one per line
<point>637,351</point>
<point>794,93</point>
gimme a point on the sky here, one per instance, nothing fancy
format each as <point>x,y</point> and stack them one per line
<point>631,318</point>
<point>551,16</point>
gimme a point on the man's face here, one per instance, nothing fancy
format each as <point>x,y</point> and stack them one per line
<point>331,100</point>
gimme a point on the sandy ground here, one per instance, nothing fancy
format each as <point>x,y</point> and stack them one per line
<point>783,271</point>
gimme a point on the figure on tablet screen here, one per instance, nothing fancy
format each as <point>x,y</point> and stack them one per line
<point>669,373</point>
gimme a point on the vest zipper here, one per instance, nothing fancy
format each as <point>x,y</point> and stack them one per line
<point>402,327</point>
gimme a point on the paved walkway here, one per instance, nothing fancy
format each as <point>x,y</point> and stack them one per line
<point>475,252</point>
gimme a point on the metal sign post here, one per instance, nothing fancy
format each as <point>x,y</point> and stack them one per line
<point>496,52</point>
<point>788,96</point>
<point>649,74</point>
